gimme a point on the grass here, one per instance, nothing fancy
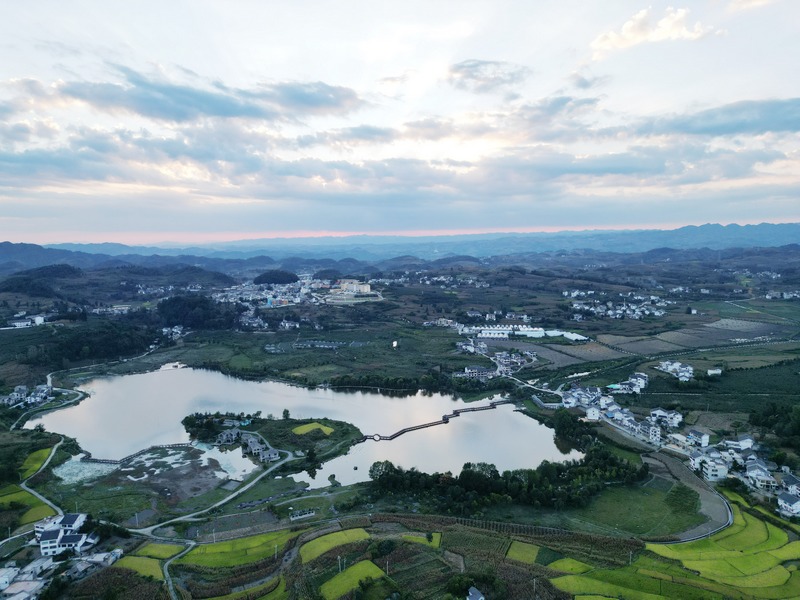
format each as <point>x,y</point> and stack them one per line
<point>36,513</point>
<point>33,463</point>
<point>323,544</point>
<point>421,539</point>
<point>570,565</point>
<point>522,552</point>
<point>348,580</point>
<point>240,551</point>
<point>303,429</point>
<point>747,556</point>
<point>641,511</point>
<point>147,567</point>
<point>160,551</point>
<point>20,496</point>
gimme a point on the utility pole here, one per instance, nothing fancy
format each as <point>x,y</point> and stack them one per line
<point>534,588</point>
<point>276,551</point>
<point>630,557</point>
<point>214,534</point>
<point>339,558</point>
<point>387,567</point>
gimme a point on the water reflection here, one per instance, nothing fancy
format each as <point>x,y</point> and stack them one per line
<point>126,414</point>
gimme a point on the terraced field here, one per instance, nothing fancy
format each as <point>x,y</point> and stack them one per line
<point>753,558</point>
<point>238,552</point>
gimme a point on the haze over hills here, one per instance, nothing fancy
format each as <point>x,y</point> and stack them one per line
<point>376,247</point>
<point>366,255</point>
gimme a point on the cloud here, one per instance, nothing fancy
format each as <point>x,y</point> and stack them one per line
<point>311,98</point>
<point>165,100</point>
<point>585,81</point>
<point>486,76</point>
<point>748,117</point>
<point>349,136</point>
<point>162,100</point>
<point>639,30</point>
<point>737,5</point>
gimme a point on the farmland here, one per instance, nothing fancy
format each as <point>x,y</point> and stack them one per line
<point>33,463</point>
<point>147,567</point>
<point>751,558</point>
<point>321,545</point>
<point>238,552</point>
<point>159,551</point>
<point>348,579</point>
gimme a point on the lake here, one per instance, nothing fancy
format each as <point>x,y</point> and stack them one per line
<point>128,413</point>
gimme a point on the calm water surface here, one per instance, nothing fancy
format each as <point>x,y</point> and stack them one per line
<point>128,413</point>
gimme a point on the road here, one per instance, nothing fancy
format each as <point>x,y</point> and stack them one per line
<point>24,484</point>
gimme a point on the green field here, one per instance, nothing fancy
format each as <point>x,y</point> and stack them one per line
<point>321,545</point>
<point>147,567</point>
<point>421,539</point>
<point>15,494</point>
<point>160,551</point>
<point>745,560</point>
<point>240,551</point>
<point>570,565</point>
<point>303,429</point>
<point>33,463</point>
<point>523,552</point>
<point>36,513</point>
<point>348,580</point>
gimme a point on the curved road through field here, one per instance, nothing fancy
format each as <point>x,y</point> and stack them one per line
<point>24,484</point>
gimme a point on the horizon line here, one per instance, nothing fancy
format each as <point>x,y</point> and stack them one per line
<point>176,239</point>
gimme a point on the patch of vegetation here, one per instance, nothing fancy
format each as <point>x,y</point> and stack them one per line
<point>308,427</point>
<point>147,567</point>
<point>159,551</point>
<point>360,574</point>
<point>276,276</point>
<point>239,551</point>
<point>319,546</point>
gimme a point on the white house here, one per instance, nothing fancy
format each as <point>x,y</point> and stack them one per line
<point>714,470</point>
<point>7,576</point>
<point>593,413</point>
<point>791,484</point>
<point>696,460</point>
<point>698,438</point>
<point>788,503</point>
<point>742,442</point>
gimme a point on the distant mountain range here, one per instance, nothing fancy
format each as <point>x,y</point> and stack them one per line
<point>370,254</point>
<point>376,248</point>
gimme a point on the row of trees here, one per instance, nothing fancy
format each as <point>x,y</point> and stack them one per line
<point>553,485</point>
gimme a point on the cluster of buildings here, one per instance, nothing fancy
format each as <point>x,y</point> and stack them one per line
<point>734,455</point>
<point>599,406</point>
<point>21,395</point>
<point>678,369</point>
<point>62,533</point>
<point>504,332</point>
<point>251,444</point>
<point>55,535</point>
<point>650,429</point>
<point>632,306</point>
<point>22,320</point>
<point>773,295</point>
<point>448,281</point>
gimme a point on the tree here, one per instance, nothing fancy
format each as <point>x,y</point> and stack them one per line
<point>285,414</point>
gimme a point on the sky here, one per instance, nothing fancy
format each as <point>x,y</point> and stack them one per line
<point>197,121</point>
